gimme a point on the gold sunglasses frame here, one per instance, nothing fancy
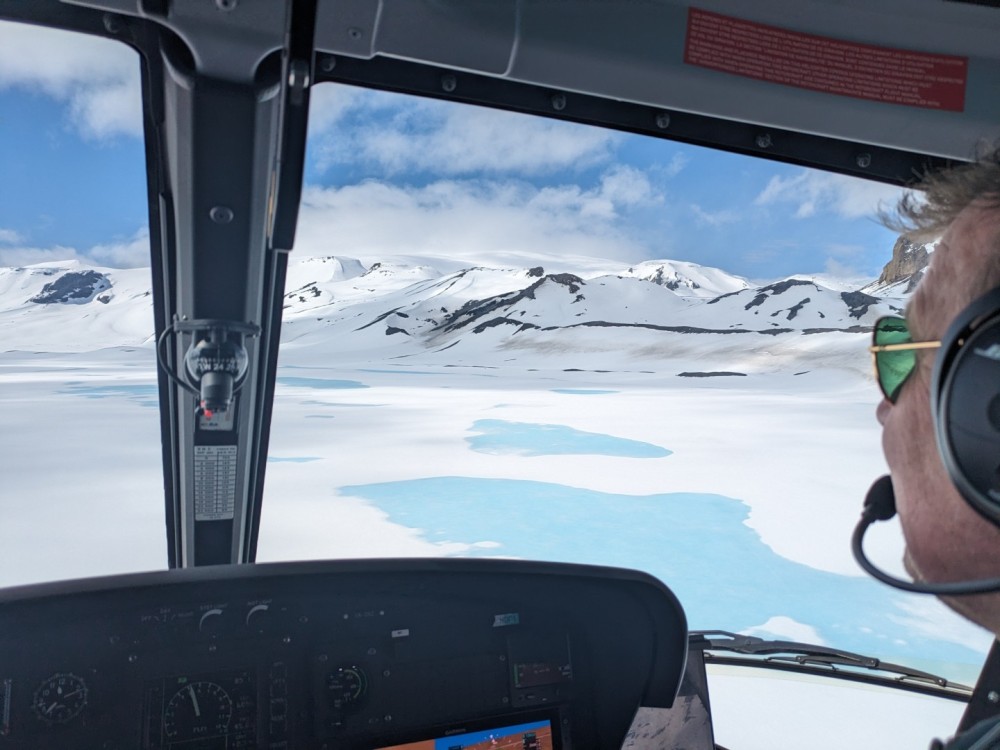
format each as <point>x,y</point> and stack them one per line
<point>875,349</point>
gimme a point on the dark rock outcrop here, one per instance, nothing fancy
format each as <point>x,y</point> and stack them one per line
<point>770,290</point>
<point>73,287</point>
<point>475,309</point>
<point>858,302</point>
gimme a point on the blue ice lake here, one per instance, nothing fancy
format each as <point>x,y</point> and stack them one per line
<point>583,391</point>
<point>499,437</point>
<point>698,544</point>
<point>401,371</point>
<point>143,394</point>
<point>336,403</point>
<point>323,383</point>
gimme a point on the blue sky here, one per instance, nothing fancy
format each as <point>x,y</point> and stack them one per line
<point>389,174</point>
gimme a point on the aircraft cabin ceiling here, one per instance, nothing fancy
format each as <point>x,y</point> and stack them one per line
<point>914,75</point>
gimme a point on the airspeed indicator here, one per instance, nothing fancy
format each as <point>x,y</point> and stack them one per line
<point>197,711</point>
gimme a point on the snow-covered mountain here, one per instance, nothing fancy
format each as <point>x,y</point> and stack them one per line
<point>687,279</point>
<point>69,306</point>
<point>335,306</point>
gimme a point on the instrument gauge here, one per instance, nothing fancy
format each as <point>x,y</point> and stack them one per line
<point>60,698</point>
<point>347,687</point>
<point>198,710</point>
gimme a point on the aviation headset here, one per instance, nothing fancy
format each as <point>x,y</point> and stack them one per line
<point>965,407</point>
<point>965,403</point>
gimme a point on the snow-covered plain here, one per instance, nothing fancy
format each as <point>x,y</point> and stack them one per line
<point>718,435</point>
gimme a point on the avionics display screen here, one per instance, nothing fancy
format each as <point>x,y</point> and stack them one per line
<point>536,735</point>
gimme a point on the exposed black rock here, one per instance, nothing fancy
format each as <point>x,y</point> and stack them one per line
<point>379,319</point>
<point>794,310</point>
<point>858,302</point>
<point>781,287</point>
<point>391,330</point>
<point>671,281</point>
<point>309,290</point>
<point>475,309</point>
<point>567,279</point>
<point>493,323</point>
<point>723,296</point>
<point>851,329</point>
<point>74,287</point>
<point>671,329</point>
<point>777,288</point>
<point>721,373</point>
<point>536,272</point>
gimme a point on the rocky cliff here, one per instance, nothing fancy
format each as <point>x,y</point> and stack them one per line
<point>908,262</point>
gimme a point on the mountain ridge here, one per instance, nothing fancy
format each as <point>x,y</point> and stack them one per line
<point>411,309</point>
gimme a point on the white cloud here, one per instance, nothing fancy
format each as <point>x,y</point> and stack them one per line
<point>130,253</point>
<point>97,79</point>
<point>844,251</point>
<point>840,269</point>
<point>812,192</point>
<point>844,260</point>
<point>329,104</point>
<point>714,218</point>
<point>626,185</point>
<point>471,218</point>
<point>400,134</point>
<point>677,163</point>
<point>10,237</point>
<point>26,256</point>
<point>112,109</point>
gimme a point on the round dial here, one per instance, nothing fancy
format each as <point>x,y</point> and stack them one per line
<point>196,711</point>
<point>60,698</point>
<point>346,688</point>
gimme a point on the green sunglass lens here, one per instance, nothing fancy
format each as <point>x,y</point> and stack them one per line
<point>893,370</point>
<point>894,367</point>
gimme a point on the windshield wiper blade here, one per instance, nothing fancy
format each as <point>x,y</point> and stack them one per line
<point>811,654</point>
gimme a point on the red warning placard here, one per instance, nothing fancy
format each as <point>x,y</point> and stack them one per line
<point>807,61</point>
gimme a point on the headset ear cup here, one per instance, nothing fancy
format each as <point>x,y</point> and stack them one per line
<point>965,403</point>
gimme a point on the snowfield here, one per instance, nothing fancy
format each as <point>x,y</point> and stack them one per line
<point>667,417</point>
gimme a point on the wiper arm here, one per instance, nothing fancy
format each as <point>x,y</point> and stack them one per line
<point>810,654</point>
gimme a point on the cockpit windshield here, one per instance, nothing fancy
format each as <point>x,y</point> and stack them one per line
<point>79,420</point>
<point>503,336</point>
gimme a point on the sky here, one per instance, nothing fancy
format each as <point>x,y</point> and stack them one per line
<point>389,174</point>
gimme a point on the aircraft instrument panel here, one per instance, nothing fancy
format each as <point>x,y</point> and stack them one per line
<point>355,654</point>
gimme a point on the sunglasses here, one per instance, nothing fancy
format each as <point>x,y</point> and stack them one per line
<point>894,353</point>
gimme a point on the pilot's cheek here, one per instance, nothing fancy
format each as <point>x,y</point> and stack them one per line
<point>882,411</point>
<point>893,439</point>
<point>907,440</point>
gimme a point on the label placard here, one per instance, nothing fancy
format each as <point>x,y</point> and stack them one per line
<point>833,66</point>
<point>214,482</point>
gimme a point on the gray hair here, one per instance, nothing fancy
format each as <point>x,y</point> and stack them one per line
<point>923,218</point>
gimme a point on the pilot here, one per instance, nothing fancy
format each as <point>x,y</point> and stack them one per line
<point>947,538</point>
